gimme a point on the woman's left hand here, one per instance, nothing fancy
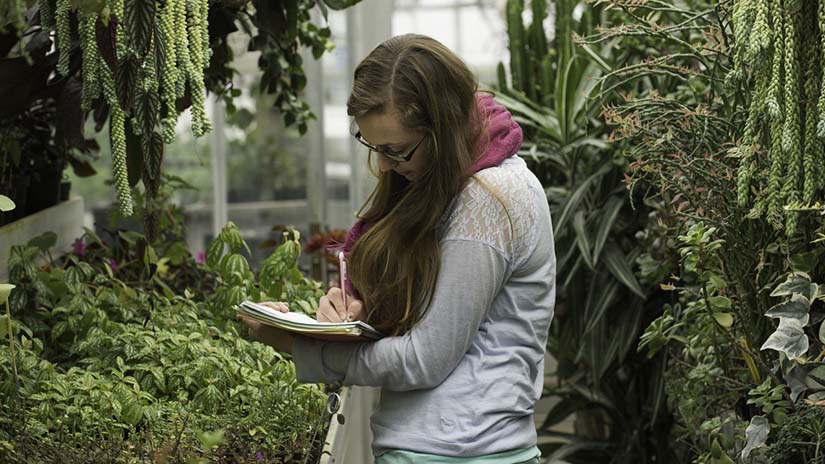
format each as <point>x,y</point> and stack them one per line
<point>279,339</point>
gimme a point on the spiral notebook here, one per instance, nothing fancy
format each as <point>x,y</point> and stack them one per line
<point>307,326</point>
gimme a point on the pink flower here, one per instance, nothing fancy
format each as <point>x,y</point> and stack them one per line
<point>79,247</point>
<point>201,257</point>
<point>113,264</point>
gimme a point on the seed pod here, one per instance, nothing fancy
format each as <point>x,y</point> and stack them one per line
<point>820,131</point>
<point>790,131</point>
<point>46,16</point>
<point>91,57</point>
<point>773,103</point>
<point>200,124</point>
<point>810,141</point>
<point>791,143</point>
<point>760,37</point>
<point>184,61</point>
<point>64,40</point>
<point>169,93</point>
<point>742,22</point>
<point>207,50</point>
<point>119,171</point>
<point>117,137</point>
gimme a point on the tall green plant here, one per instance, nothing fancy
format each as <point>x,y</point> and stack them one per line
<point>604,300</point>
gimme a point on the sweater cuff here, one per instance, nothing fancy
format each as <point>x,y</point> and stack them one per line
<point>317,361</point>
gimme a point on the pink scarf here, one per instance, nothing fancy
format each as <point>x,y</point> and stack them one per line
<point>505,141</point>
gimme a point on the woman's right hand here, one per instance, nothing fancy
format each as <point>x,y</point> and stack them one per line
<point>331,308</point>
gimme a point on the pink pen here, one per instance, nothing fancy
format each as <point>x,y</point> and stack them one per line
<point>342,273</point>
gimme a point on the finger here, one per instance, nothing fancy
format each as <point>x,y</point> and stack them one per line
<point>336,298</point>
<point>326,313</point>
<point>252,326</point>
<point>356,311</point>
<point>276,305</point>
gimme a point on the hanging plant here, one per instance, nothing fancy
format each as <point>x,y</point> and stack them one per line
<point>142,62</point>
<point>783,42</point>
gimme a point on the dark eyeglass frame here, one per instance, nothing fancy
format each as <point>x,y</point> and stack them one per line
<point>393,156</point>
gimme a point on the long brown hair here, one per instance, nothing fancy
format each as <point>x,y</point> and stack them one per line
<point>395,264</point>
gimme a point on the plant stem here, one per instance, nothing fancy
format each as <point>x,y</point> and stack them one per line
<point>11,347</point>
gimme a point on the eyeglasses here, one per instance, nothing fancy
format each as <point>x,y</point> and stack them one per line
<point>393,155</point>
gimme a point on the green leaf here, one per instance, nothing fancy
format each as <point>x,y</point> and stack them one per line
<point>619,266</point>
<point>211,440</point>
<point>6,204</point>
<point>131,413</point>
<point>789,338</point>
<point>306,307</point>
<point>44,241</point>
<point>150,256</point>
<point>576,197</point>
<point>562,410</point>
<point>797,307</point>
<point>797,282</point>
<point>815,379</point>
<point>340,4</point>
<point>822,332</point>
<point>582,239</point>
<point>608,217</point>
<point>5,291</point>
<point>724,319</point>
<point>324,9</point>
<point>595,57</point>
<point>605,296</point>
<point>126,76</point>
<point>214,252</point>
<point>130,237</point>
<point>756,435</point>
<point>147,104</point>
<point>720,302</point>
<point>805,262</point>
<point>152,160</point>
<point>234,265</point>
<point>139,19</point>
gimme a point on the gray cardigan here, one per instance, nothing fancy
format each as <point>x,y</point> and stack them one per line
<point>465,379</point>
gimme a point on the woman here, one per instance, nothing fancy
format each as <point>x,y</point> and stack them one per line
<point>452,255</point>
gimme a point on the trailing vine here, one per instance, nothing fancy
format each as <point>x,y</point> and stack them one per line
<point>788,119</point>
<point>142,62</point>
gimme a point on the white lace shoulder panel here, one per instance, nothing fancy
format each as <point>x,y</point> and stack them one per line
<point>498,207</point>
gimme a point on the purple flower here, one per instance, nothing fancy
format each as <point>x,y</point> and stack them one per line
<point>79,247</point>
<point>258,455</point>
<point>202,259</point>
<point>113,264</point>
